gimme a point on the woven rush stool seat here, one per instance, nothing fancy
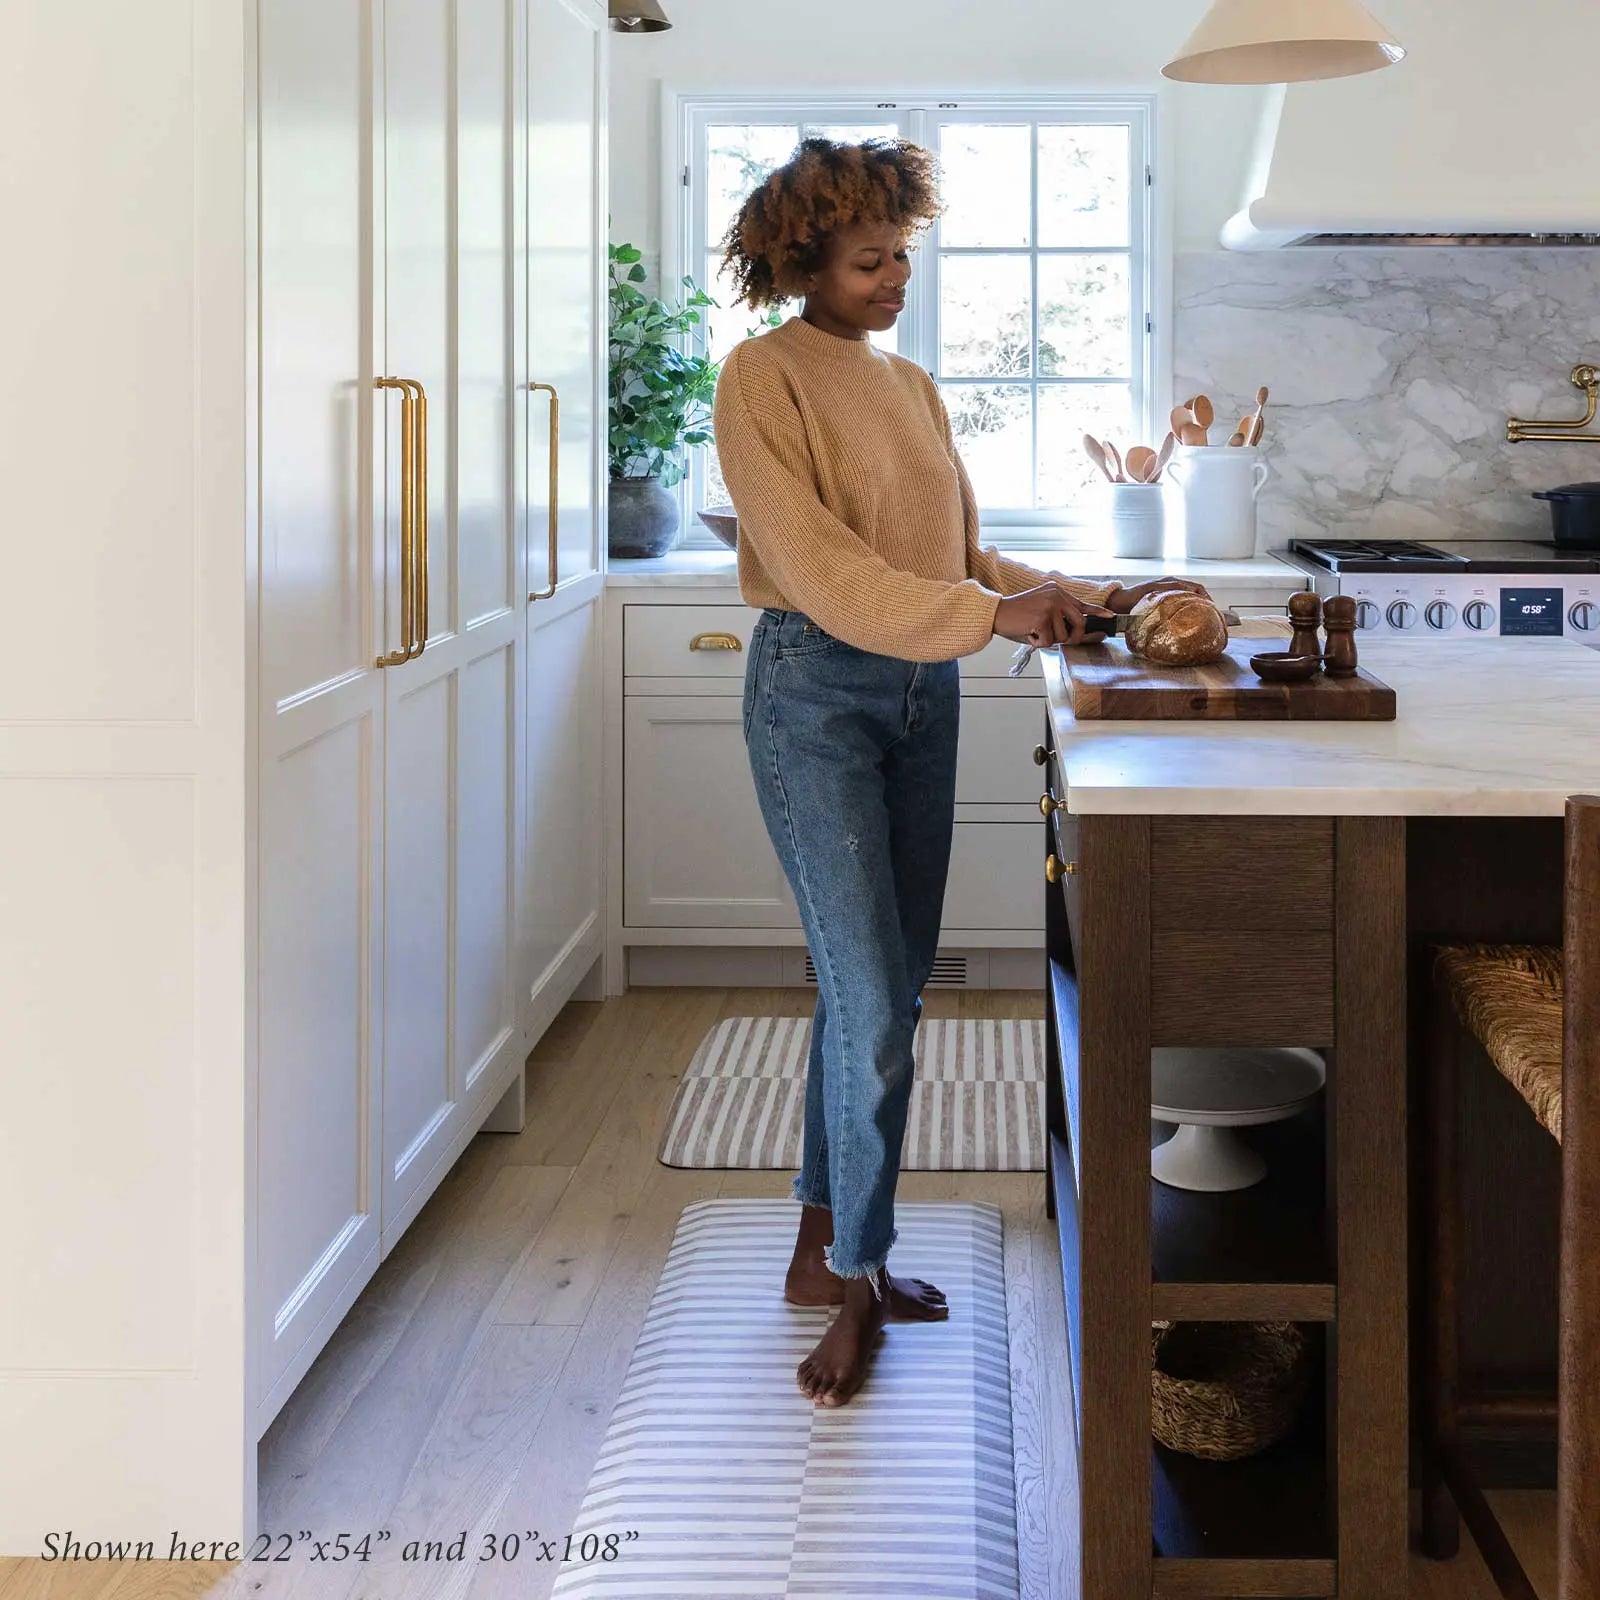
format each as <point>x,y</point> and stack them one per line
<point>1510,998</point>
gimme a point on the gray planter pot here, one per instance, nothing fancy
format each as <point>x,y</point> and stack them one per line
<point>643,517</point>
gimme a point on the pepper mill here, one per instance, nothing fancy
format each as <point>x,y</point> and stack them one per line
<point>1305,612</point>
<point>1339,618</point>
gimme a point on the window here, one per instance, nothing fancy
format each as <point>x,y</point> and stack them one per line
<point>1030,297</point>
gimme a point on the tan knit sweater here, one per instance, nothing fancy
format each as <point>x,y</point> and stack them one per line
<point>853,505</point>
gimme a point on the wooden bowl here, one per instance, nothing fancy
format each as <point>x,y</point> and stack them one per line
<point>723,522</point>
<point>1278,666</point>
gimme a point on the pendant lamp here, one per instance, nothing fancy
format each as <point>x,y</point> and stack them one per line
<point>636,16</point>
<point>1283,41</point>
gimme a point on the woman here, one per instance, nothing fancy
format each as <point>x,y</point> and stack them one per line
<point>858,539</point>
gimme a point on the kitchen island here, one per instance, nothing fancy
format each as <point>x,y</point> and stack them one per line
<point>1279,883</point>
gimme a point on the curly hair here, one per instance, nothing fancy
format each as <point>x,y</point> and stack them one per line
<point>781,232</point>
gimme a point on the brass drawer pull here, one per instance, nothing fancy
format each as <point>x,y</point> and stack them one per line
<point>716,641</point>
<point>1055,868</point>
<point>1049,805</point>
<point>1040,755</point>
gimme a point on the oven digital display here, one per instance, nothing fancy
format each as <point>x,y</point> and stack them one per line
<point>1530,611</point>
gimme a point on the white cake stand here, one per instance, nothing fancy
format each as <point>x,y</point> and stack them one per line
<point>1209,1093</point>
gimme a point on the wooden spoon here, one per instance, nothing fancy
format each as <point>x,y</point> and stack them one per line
<point>1242,432</point>
<point>1116,461</point>
<point>1096,453</point>
<point>1261,400</point>
<point>1191,433</point>
<point>1181,418</point>
<point>1255,430</point>
<point>1204,412</point>
<point>1141,463</point>
<point>1165,456</point>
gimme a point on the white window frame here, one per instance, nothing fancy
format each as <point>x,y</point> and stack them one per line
<point>685,116</point>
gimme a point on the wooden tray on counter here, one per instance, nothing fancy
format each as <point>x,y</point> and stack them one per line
<point>1110,682</point>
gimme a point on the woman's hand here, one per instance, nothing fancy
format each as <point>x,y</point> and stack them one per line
<point>1047,615</point>
<point>1122,601</point>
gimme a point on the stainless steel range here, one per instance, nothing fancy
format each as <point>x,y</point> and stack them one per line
<point>1477,589</point>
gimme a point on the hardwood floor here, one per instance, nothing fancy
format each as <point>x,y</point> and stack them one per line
<point>470,1386</point>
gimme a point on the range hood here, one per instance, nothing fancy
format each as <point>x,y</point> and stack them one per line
<point>1480,136</point>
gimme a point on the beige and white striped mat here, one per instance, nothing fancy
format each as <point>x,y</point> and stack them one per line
<point>977,1104</point>
<point>718,1477</point>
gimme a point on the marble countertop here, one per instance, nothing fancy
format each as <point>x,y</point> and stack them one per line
<point>687,568</point>
<point>1485,727</point>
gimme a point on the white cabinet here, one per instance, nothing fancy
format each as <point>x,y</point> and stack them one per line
<point>697,853</point>
<point>282,921</point>
<point>560,403</point>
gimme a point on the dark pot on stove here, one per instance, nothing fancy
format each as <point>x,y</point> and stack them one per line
<point>1574,514</point>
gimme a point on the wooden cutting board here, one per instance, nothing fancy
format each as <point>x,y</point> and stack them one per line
<point>1108,681</point>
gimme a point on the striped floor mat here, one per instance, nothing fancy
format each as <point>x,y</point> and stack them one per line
<point>977,1104</point>
<point>735,1484</point>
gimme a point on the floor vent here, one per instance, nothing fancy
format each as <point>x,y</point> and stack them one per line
<point>949,972</point>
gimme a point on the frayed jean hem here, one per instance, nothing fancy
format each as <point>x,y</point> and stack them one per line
<point>874,1271</point>
<point>799,1191</point>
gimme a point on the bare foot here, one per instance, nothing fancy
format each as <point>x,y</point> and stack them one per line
<point>834,1371</point>
<point>809,1283</point>
<point>908,1299</point>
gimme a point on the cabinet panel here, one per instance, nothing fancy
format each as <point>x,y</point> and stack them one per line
<point>995,875</point>
<point>564,868</point>
<point>994,759</point>
<point>696,850</point>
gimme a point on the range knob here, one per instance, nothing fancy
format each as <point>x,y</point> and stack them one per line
<point>1478,615</point>
<point>1439,615</point>
<point>1366,614</point>
<point>1584,616</point>
<point>1401,614</point>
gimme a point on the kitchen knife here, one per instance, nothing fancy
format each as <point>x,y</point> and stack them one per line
<point>1105,628</point>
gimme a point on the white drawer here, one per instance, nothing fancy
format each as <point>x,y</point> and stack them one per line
<point>994,760</point>
<point>659,641</point>
<point>996,877</point>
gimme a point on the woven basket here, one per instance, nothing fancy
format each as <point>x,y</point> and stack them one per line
<point>1222,1390</point>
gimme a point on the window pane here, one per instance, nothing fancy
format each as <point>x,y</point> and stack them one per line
<point>1083,316</point>
<point>987,176</point>
<point>726,323</point>
<point>852,132</point>
<point>993,429</point>
<point>740,157</point>
<point>1083,185</point>
<point>1067,411</point>
<point>985,316</point>
<point>716,489</point>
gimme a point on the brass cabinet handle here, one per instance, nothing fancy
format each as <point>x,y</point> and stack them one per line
<point>555,487</point>
<point>419,568</point>
<point>1049,805</point>
<point>408,517</point>
<point>1055,869</point>
<point>1040,755</point>
<point>716,641</point>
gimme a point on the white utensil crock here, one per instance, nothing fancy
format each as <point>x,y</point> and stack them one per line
<point>1138,521</point>
<point>1220,484</point>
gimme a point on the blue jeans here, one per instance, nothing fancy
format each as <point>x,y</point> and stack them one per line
<point>854,760</point>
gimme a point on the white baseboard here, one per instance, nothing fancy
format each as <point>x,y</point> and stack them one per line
<point>785,967</point>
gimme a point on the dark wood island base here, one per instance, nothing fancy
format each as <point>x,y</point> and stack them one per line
<point>1232,931</point>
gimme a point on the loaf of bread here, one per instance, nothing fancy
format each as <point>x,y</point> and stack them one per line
<point>1178,629</point>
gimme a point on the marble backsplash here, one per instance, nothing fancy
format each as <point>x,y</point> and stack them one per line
<point>1392,374</point>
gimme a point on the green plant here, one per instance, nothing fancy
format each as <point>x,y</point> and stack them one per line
<point>660,397</point>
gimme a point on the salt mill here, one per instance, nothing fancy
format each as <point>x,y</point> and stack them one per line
<point>1339,618</point>
<point>1305,612</point>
